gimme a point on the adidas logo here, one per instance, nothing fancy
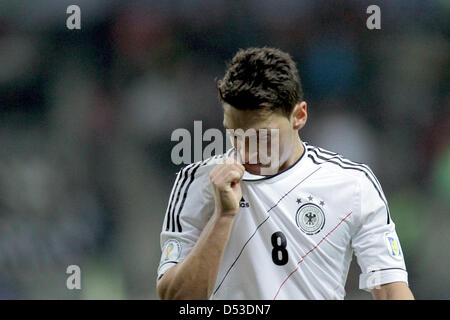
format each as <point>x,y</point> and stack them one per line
<point>243,203</point>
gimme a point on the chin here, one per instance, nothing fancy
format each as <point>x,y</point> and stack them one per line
<point>253,168</point>
<point>256,168</point>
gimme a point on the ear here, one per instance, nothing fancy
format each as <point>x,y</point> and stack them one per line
<point>299,115</point>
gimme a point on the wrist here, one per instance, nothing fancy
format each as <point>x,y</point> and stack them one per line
<point>225,215</point>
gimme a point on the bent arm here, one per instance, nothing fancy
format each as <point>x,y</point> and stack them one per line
<point>195,276</point>
<point>393,291</point>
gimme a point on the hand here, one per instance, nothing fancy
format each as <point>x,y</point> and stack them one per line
<point>225,180</point>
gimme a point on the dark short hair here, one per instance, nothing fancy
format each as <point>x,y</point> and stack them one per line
<point>261,79</point>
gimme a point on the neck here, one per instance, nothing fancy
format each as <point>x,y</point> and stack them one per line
<point>296,153</point>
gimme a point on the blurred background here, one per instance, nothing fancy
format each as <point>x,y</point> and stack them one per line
<point>86,118</point>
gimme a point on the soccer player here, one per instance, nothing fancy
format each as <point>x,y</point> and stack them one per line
<point>231,232</point>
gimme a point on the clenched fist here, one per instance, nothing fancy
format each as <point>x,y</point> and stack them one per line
<point>225,180</point>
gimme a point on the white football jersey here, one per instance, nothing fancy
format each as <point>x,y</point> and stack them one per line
<point>295,232</point>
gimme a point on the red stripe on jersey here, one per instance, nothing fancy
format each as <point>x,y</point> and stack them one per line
<point>303,257</point>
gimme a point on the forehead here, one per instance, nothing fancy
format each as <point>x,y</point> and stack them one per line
<point>246,119</point>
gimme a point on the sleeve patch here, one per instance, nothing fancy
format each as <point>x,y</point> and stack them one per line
<point>171,251</point>
<point>393,245</point>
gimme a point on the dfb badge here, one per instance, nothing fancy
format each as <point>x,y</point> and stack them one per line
<point>310,218</point>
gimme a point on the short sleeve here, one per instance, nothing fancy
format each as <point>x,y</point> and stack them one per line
<point>191,204</point>
<point>375,243</point>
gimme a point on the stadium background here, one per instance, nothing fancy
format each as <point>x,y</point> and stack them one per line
<point>86,118</point>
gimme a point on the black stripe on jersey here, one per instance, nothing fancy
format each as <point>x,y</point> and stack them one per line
<point>387,269</point>
<point>331,155</point>
<point>192,177</point>
<point>170,201</point>
<point>186,175</point>
<point>177,189</point>
<point>343,160</point>
<point>351,168</point>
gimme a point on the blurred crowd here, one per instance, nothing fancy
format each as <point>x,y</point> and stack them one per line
<point>86,118</point>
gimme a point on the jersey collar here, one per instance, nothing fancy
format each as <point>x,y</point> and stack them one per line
<point>255,177</point>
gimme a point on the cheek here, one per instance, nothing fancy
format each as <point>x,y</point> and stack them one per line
<point>284,148</point>
<point>276,147</point>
